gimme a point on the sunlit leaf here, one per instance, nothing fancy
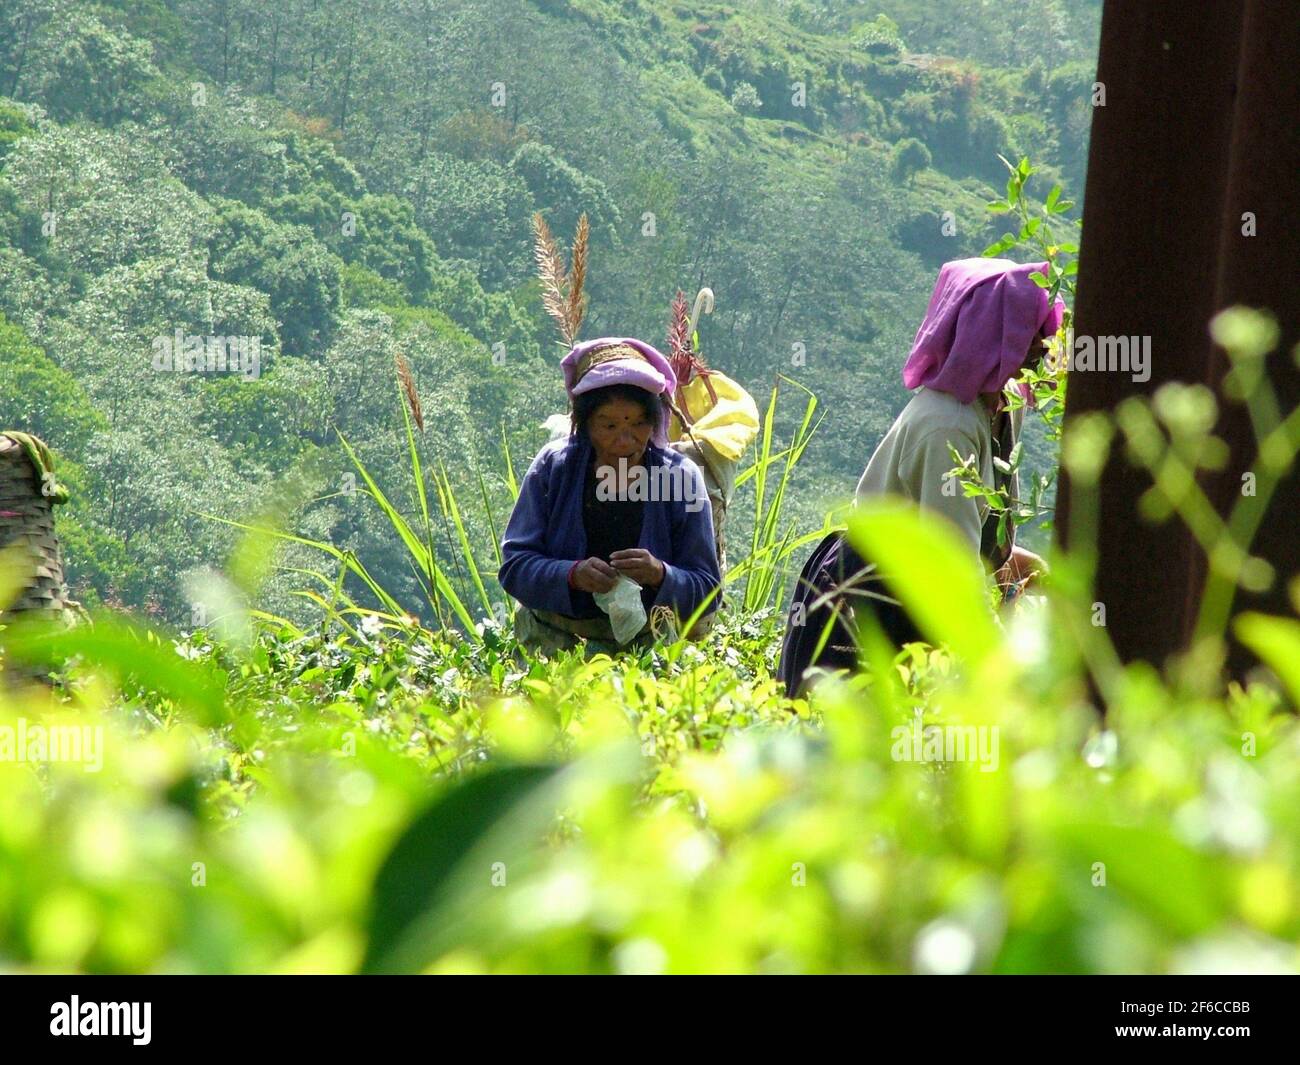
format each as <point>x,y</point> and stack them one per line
<point>420,875</point>
<point>934,574</point>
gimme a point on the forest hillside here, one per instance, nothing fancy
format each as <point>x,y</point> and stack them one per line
<point>340,183</point>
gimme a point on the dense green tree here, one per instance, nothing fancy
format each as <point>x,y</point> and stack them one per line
<point>15,122</point>
<point>382,234</point>
<point>909,157</point>
<point>477,212</point>
<point>289,264</point>
<point>563,192</point>
<point>96,199</point>
<point>82,67</point>
<point>36,395</point>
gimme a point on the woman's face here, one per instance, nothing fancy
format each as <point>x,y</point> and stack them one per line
<point>619,429</point>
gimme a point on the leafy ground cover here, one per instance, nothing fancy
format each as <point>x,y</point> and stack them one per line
<point>395,799</point>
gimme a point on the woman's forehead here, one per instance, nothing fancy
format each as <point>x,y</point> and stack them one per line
<point>619,408</point>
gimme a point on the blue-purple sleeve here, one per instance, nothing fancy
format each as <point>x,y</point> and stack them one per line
<point>695,574</point>
<point>527,572</point>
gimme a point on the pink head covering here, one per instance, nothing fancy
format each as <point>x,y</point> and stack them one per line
<point>648,370</point>
<point>982,317</point>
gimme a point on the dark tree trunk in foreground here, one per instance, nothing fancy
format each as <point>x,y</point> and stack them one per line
<point>1200,126</point>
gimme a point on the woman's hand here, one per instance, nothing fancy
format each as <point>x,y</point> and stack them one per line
<point>594,575</point>
<point>1023,568</point>
<point>640,565</point>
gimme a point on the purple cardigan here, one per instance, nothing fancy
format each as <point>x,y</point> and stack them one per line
<point>545,534</point>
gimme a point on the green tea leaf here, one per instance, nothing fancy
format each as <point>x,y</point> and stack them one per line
<point>933,572</point>
<point>1141,863</point>
<point>423,872</point>
<point>126,654</point>
<point>1277,643</point>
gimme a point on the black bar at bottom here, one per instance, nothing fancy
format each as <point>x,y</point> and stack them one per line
<point>335,1014</point>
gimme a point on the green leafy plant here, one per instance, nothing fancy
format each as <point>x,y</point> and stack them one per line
<point>1040,388</point>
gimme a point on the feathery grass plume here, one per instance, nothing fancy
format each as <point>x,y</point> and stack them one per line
<point>679,338</point>
<point>682,356</point>
<point>555,281</point>
<point>562,288</point>
<point>577,306</point>
<point>408,387</point>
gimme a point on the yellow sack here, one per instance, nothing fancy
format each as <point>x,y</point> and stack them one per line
<point>720,433</point>
<point>728,426</point>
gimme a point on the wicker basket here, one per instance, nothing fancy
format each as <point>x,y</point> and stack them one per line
<point>27,518</point>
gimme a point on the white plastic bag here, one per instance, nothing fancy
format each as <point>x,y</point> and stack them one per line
<point>623,605</point>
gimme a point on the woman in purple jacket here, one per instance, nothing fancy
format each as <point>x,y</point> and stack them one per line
<point>610,503</point>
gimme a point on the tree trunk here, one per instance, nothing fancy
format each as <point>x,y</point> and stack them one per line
<point>1198,127</point>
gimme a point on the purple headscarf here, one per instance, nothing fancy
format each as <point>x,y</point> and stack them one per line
<point>651,372</point>
<point>977,330</point>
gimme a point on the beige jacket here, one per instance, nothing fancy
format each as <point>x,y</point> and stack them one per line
<point>913,460</point>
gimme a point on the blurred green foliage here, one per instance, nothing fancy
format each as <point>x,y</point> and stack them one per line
<point>390,798</point>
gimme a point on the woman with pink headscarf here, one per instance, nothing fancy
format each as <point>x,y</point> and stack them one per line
<point>986,320</point>
<point>580,528</point>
